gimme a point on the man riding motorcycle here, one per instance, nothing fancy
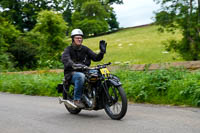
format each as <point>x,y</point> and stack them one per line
<point>77,56</point>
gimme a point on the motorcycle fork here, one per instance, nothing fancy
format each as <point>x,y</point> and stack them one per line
<point>110,98</point>
<point>105,87</point>
<point>116,97</point>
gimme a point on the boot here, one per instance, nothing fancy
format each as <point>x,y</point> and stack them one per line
<point>79,104</point>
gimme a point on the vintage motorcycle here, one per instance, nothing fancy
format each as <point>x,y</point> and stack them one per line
<point>102,90</point>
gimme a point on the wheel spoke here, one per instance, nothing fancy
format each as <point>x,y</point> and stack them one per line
<point>116,103</point>
<point>116,108</point>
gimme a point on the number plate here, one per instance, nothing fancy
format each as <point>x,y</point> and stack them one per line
<point>105,71</point>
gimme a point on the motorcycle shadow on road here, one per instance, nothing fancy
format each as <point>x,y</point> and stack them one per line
<point>84,115</point>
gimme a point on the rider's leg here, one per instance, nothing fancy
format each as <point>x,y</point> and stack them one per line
<point>78,79</point>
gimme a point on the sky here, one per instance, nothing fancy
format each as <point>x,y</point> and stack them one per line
<point>135,12</point>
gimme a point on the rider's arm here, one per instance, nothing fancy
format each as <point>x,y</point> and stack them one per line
<point>94,56</point>
<point>66,58</point>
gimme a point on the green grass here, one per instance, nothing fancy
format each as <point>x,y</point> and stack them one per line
<point>136,46</point>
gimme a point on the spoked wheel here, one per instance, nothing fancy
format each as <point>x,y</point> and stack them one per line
<point>116,105</point>
<point>69,96</point>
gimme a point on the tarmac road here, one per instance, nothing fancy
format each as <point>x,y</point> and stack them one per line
<point>35,114</point>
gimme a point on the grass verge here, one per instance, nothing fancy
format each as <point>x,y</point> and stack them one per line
<point>172,86</point>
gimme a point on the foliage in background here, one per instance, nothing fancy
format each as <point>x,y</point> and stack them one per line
<point>44,25</point>
<point>183,15</point>
<point>111,20</point>
<point>173,86</point>
<point>23,13</point>
<point>129,46</point>
<point>42,83</point>
<point>40,47</point>
<point>8,35</point>
<point>24,53</point>
<point>90,16</point>
<point>50,30</point>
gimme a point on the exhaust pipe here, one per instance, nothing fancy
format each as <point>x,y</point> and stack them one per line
<point>67,102</point>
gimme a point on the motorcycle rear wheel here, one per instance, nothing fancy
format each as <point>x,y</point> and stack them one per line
<point>117,107</point>
<point>70,97</point>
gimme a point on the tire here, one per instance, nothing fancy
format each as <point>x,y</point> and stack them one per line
<point>119,101</point>
<point>70,97</point>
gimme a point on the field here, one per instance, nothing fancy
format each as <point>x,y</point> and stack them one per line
<point>136,46</point>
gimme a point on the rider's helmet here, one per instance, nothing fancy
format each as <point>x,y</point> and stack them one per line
<point>76,32</point>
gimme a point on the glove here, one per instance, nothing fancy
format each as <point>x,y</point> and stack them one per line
<point>78,66</point>
<point>102,46</point>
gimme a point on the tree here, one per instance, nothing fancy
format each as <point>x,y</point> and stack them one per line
<point>8,35</point>
<point>92,27</point>
<point>90,17</point>
<point>50,34</point>
<point>23,13</point>
<point>185,16</point>
<point>111,20</point>
<point>24,53</point>
<point>67,13</point>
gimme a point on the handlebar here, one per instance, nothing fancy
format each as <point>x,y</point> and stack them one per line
<point>92,68</point>
<point>97,67</point>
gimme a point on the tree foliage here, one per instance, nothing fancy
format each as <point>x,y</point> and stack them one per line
<point>90,17</point>
<point>24,53</point>
<point>112,21</point>
<point>33,32</point>
<point>92,26</point>
<point>183,15</point>
<point>8,35</point>
<point>49,34</point>
<point>23,13</point>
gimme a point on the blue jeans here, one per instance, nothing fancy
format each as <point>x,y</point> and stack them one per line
<point>78,80</point>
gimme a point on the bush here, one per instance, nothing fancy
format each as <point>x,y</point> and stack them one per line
<point>42,83</point>
<point>173,86</point>
<point>24,53</point>
<point>6,64</point>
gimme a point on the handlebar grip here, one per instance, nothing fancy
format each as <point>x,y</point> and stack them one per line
<point>109,63</point>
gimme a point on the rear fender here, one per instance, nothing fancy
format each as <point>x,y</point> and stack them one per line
<point>59,88</point>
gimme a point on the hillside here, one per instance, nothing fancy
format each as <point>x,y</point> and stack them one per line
<point>142,45</point>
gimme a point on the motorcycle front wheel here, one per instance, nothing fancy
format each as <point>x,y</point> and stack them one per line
<point>115,106</point>
<point>69,96</point>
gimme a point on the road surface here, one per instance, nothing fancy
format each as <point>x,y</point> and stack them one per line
<point>36,114</point>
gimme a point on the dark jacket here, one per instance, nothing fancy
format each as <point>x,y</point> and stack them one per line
<point>84,55</point>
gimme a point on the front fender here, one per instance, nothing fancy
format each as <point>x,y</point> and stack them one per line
<point>114,82</point>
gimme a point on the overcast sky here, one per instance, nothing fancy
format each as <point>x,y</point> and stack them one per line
<point>135,12</point>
